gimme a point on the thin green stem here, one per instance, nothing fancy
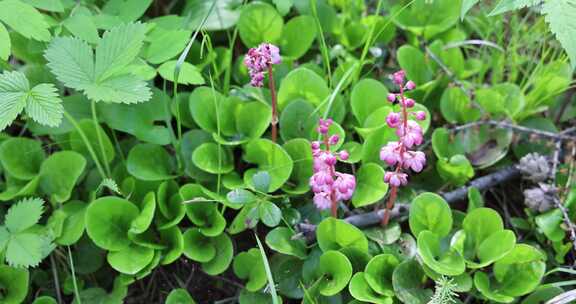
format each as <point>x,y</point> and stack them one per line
<point>99,137</point>
<point>76,291</point>
<point>56,279</point>
<point>268,271</point>
<point>86,142</point>
<point>323,46</point>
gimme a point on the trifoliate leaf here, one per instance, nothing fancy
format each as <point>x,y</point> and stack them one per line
<point>560,15</point>
<point>24,214</point>
<point>118,48</point>
<point>510,5</point>
<point>105,76</point>
<point>122,89</point>
<point>13,86</point>
<point>25,250</point>
<point>44,105</point>
<point>24,19</point>
<point>72,61</point>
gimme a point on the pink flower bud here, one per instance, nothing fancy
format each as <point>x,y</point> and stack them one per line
<point>391,97</point>
<point>323,130</point>
<point>409,102</point>
<point>315,145</point>
<point>393,119</point>
<point>398,78</point>
<point>330,160</point>
<point>410,85</point>
<point>420,115</point>
<point>333,139</point>
<point>344,155</point>
<point>396,179</point>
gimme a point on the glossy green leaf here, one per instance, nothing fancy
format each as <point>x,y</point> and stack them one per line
<point>430,211</point>
<point>59,174</point>
<point>370,186</point>
<point>74,224</point>
<point>197,246</point>
<point>367,96</point>
<point>408,280</point>
<point>189,74</point>
<point>223,257</point>
<point>281,240</point>
<point>179,296</point>
<point>271,158</point>
<point>361,290</point>
<point>213,158</point>
<point>298,36</point>
<point>144,219</point>
<point>425,18</point>
<point>414,63</point>
<point>456,170</point>
<point>131,259</point>
<point>21,157</point>
<point>302,83</point>
<point>378,273</point>
<point>443,261</point>
<point>14,283</point>
<point>248,265</point>
<point>334,234</point>
<point>91,132</point>
<point>259,22</point>
<point>149,162</point>
<point>108,221</point>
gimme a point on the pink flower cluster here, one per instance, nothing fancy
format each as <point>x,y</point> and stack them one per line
<point>328,185</point>
<point>397,153</point>
<point>259,60</point>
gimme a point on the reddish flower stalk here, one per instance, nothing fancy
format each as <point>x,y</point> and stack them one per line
<point>397,153</point>
<point>329,186</point>
<point>260,60</point>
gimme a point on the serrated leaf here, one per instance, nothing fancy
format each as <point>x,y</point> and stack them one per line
<point>4,43</point>
<point>560,15</point>
<point>118,48</point>
<point>110,184</point>
<point>72,61</point>
<point>24,19</point>
<point>121,89</point>
<point>25,250</point>
<point>13,86</point>
<point>44,105</point>
<point>24,214</point>
<point>510,5</point>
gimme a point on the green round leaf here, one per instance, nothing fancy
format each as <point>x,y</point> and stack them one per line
<point>197,246</point>
<point>408,280</point>
<point>60,173</point>
<point>298,120</point>
<point>414,63</point>
<point>302,83</point>
<point>21,157</point>
<point>367,96</point>
<point>269,213</point>
<point>334,234</point>
<point>259,22</point>
<point>14,282</point>
<point>74,224</point>
<point>299,150</point>
<point>337,271</point>
<point>45,300</point>
<point>149,162</point>
<point>456,106</point>
<point>427,18</point>
<point>213,158</point>
<point>378,273</point>
<point>281,240</point>
<point>189,74</point>
<point>223,258</point>
<point>430,211</point>
<point>269,157</point>
<point>370,185</point>
<point>131,259</point>
<point>179,296</point>
<point>248,265</point>
<point>456,170</point>
<point>448,262</point>
<point>252,120</point>
<point>206,216</point>
<point>108,221</point>
<point>361,290</point>
<point>212,111</point>
<point>298,36</point>
<point>144,219</point>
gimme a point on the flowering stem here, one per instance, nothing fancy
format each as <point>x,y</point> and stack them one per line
<point>272,87</point>
<point>394,191</point>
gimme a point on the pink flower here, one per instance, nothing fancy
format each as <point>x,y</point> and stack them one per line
<point>410,85</point>
<point>333,140</point>
<point>345,184</point>
<point>420,115</point>
<point>393,120</point>
<point>391,97</point>
<point>411,135</point>
<point>322,200</point>
<point>415,160</point>
<point>259,59</point>
<point>409,102</point>
<point>398,78</point>
<point>396,179</point>
<point>391,153</point>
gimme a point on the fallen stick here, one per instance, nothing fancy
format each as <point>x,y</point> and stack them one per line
<point>401,209</point>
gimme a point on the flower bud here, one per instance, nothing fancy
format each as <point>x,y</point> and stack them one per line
<point>393,119</point>
<point>410,85</point>
<point>344,155</point>
<point>333,139</point>
<point>409,102</point>
<point>420,115</point>
<point>391,97</point>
